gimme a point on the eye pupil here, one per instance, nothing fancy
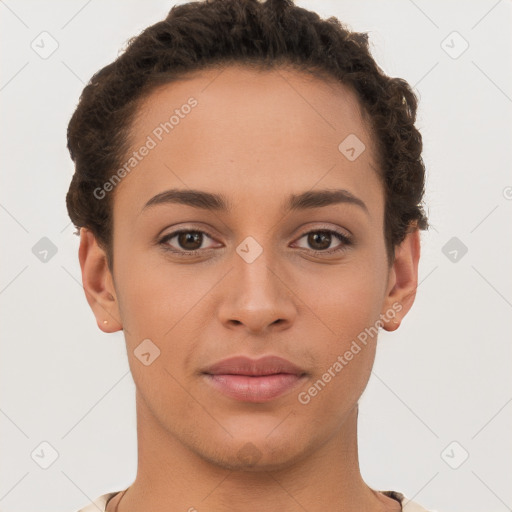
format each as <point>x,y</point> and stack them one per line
<point>190,236</point>
<point>316,236</point>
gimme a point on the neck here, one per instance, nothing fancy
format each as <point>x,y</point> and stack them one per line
<point>171,477</point>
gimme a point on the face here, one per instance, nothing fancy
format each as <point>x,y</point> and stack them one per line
<point>260,270</point>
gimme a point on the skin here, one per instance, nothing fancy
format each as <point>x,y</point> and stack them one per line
<point>256,137</point>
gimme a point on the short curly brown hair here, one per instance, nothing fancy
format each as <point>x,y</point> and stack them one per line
<point>213,33</point>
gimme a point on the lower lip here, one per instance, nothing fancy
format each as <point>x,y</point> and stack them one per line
<point>254,389</point>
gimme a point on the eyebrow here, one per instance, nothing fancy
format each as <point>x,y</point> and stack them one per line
<point>218,202</point>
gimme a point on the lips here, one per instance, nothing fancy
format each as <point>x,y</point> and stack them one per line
<point>268,365</point>
<point>254,380</point>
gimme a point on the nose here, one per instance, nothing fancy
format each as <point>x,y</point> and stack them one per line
<point>257,297</point>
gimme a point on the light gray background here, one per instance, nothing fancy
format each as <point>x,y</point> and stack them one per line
<point>444,376</point>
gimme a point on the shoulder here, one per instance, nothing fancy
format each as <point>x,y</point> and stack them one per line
<point>100,503</point>
<point>407,504</point>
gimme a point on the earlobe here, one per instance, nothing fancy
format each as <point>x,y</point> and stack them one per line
<point>403,281</point>
<point>98,283</point>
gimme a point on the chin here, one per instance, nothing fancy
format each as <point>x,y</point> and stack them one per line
<point>255,453</point>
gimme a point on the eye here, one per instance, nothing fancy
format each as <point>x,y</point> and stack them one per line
<point>189,241</point>
<point>320,240</point>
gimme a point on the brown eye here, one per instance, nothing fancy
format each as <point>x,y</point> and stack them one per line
<point>190,240</point>
<point>319,240</point>
<point>187,241</point>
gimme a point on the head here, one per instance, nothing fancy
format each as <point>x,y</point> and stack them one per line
<point>247,111</point>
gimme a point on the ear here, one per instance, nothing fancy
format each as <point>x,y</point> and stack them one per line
<point>403,281</point>
<point>98,283</point>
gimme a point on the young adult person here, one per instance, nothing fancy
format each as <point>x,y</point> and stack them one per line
<point>248,192</point>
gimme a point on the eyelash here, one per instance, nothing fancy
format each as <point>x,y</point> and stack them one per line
<point>347,241</point>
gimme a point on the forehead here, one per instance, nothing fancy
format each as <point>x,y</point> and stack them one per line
<point>246,133</point>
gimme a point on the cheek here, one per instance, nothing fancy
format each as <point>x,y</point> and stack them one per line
<point>348,301</point>
<point>347,313</point>
<point>345,355</point>
<point>162,304</point>
<point>156,296</point>
<point>155,310</point>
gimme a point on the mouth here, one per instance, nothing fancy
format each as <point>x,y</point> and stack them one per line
<point>254,380</point>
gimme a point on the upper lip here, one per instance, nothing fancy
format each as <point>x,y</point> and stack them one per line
<point>242,365</point>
